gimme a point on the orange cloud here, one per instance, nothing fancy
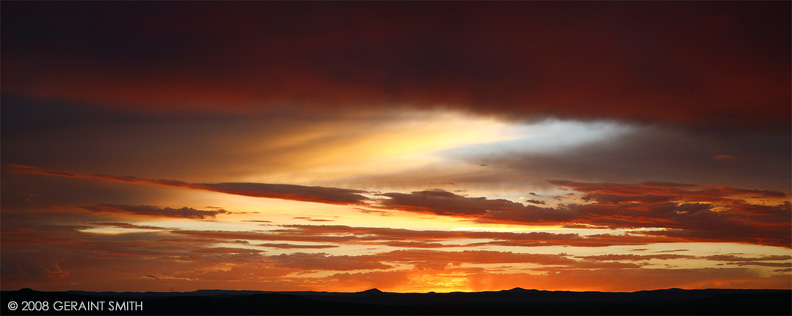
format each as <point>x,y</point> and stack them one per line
<point>190,260</point>
<point>315,261</point>
<point>681,212</point>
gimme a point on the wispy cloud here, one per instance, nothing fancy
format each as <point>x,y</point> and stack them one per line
<point>263,190</point>
<point>148,210</point>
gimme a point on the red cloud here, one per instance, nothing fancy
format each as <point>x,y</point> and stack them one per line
<point>57,272</point>
<point>526,59</point>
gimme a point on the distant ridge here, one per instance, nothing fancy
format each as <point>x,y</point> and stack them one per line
<point>516,301</point>
<point>519,290</point>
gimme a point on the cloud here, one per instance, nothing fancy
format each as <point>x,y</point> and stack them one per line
<point>631,257</point>
<point>130,226</point>
<point>666,153</point>
<point>753,261</point>
<point>263,190</point>
<point>122,266</point>
<point>148,210</point>
<point>361,281</point>
<point>52,255</point>
<point>419,244</point>
<point>762,264</point>
<point>288,192</point>
<point>688,212</point>
<point>661,192</point>
<point>444,203</point>
<point>433,260</point>
<point>428,238</point>
<point>245,235</point>
<point>295,246</point>
<point>312,219</point>
<point>226,250</point>
<point>307,261</point>
<point>572,60</point>
<point>747,259</point>
<point>598,240</point>
<point>471,256</point>
<point>406,238</point>
<point>57,272</point>
<point>681,212</point>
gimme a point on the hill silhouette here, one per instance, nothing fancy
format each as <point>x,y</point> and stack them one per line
<point>372,291</point>
<point>516,301</point>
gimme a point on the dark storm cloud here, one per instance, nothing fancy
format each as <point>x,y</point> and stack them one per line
<point>712,63</point>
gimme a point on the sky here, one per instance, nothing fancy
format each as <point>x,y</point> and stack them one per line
<point>404,146</point>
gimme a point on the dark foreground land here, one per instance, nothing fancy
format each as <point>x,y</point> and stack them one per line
<point>512,302</point>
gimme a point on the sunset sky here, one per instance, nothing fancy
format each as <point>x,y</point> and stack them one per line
<point>411,147</point>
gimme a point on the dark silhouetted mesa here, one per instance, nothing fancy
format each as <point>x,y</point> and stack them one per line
<point>512,302</point>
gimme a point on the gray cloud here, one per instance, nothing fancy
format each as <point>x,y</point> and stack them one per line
<point>661,153</point>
